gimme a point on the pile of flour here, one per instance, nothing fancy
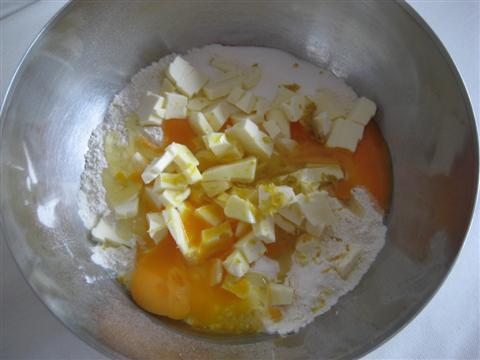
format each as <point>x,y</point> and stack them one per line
<point>317,287</point>
<point>278,68</point>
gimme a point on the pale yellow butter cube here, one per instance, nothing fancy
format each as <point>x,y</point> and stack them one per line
<point>127,209</point>
<point>214,188</point>
<point>322,125</point>
<point>316,208</point>
<point>216,239</point>
<point>151,111</point>
<point>198,103</point>
<point>271,198</point>
<point>251,77</point>
<point>278,118</point>
<point>156,167</point>
<point>280,294</point>
<point>250,247</point>
<point>252,139</point>
<point>170,181</point>
<point>176,106</point>
<point>106,232</point>
<point>240,171</point>
<point>328,102</point>
<point>294,107</point>
<point>284,224</point>
<point>362,111</point>
<point>217,89</point>
<point>236,264</point>
<point>264,230</point>
<point>345,134</point>
<point>240,209</point>
<point>167,86</point>
<point>173,198</point>
<point>215,272</point>
<point>217,114</point>
<point>211,213</point>
<point>199,123</point>
<point>187,79</point>
<point>283,95</point>
<point>175,226</point>
<point>157,229</point>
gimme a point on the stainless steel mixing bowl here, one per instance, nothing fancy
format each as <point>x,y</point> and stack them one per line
<point>89,52</point>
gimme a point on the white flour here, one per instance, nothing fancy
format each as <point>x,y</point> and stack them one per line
<point>277,69</point>
<point>316,291</point>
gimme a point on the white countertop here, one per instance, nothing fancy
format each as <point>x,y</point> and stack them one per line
<point>449,327</point>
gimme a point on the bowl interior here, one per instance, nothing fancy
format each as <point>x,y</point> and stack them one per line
<point>382,49</point>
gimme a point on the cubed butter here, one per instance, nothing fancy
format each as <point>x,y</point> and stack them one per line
<point>174,198</point>
<point>345,134</point>
<point>316,209</point>
<point>240,209</point>
<point>294,107</point>
<point>250,247</point>
<point>198,103</point>
<point>283,95</point>
<point>138,162</point>
<point>272,129</point>
<point>362,111</point>
<point>187,79</point>
<point>170,181</point>
<point>211,213</point>
<point>217,114</point>
<point>292,213</point>
<point>240,116</point>
<point>272,198</point>
<point>262,106</point>
<point>278,118</point>
<point>264,230</point>
<point>236,264</point>
<point>199,123</point>
<point>240,171</point>
<point>253,140</point>
<point>157,229</point>
<point>176,106</point>
<point>284,224</point>
<point>214,188</point>
<point>327,102</point>
<point>167,86</point>
<point>216,239</point>
<point>151,111</point>
<point>105,232</point>
<point>217,89</point>
<point>266,267</point>
<point>322,125</point>
<point>243,100</point>
<point>280,294</point>
<point>175,226</point>
<point>127,209</point>
<point>251,77</point>
<point>215,272</point>
<point>223,64</point>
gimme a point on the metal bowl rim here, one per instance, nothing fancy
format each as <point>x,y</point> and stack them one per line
<point>382,339</point>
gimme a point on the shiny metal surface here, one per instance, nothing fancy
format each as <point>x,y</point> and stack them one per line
<point>66,82</point>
